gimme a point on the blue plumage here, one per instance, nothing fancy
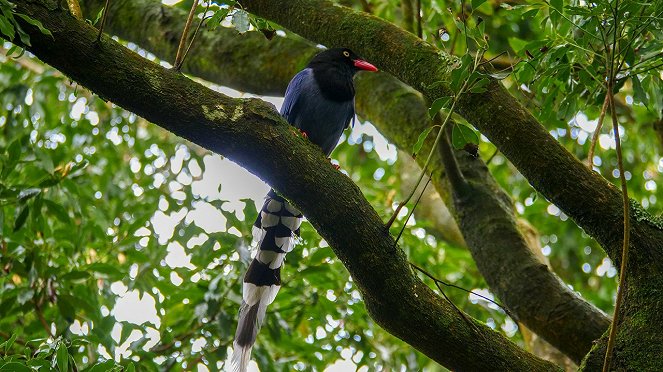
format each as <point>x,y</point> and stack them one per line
<point>322,119</point>
<point>320,102</point>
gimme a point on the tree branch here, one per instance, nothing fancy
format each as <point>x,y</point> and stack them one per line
<point>251,133</point>
<point>401,114</point>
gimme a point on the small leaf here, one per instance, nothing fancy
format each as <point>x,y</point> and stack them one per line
<point>477,3</point>
<point>517,44</point>
<point>558,5</point>
<point>7,28</point>
<point>62,358</point>
<point>130,368</point>
<point>420,141</point>
<point>241,21</point>
<point>479,86</point>
<point>462,135</point>
<point>107,270</point>
<point>99,15</point>
<point>217,18</point>
<point>9,343</point>
<point>106,366</point>
<point>26,194</point>
<point>35,23</point>
<point>437,105</point>
<point>59,211</point>
<point>22,217</point>
<point>638,92</point>
<point>15,367</point>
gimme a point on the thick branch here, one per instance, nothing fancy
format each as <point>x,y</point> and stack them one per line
<point>156,27</point>
<point>400,113</point>
<point>252,134</point>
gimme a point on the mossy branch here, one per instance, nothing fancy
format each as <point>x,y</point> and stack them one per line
<point>251,133</point>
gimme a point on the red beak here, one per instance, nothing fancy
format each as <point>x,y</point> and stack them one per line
<point>363,65</point>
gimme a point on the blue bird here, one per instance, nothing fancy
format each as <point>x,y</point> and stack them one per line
<point>319,101</point>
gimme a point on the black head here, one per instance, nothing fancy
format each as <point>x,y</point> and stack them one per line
<point>340,58</point>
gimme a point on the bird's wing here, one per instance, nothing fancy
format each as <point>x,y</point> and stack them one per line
<point>293,94</point>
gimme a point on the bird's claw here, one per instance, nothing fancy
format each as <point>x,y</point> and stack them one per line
<point>300,132</point>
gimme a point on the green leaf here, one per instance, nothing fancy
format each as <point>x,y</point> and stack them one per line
<point>107,270</point>
<point>638,92</point>
<point>62,358</point>
<point>26,194</point>
<point>59,211</point>
<point>8,344</point>
<point>462,135</point>
<point>35,23</point>
<point>7,28</point>
<point>217,18</point>
<point>241,21</point>
<point>477,3</point>
<point>461,73</point>
<point>14,152</point>
<point>420,141</point>
<point>479,86</point>
<point>106,366</point>
<point>557,5</point>
<point>517,44</point>
<point>22,217</point>
<point>130,368</point>
<point>437,105</point>
<point>15,367</point>
<point>76,275</point>
<point>99,15</point>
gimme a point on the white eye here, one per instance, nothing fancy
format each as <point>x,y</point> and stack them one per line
<point>346,53</point>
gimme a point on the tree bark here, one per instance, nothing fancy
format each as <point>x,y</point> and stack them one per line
<point>537,297</point>
<point>251,133</point>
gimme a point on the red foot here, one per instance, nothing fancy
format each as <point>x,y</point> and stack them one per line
<point>301,132</point>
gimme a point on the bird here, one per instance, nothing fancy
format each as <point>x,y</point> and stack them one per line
<point>319,102</point>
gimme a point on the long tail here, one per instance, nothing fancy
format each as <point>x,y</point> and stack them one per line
<point>275,230</point>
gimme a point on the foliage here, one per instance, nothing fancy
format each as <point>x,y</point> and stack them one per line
<point>98,207</point>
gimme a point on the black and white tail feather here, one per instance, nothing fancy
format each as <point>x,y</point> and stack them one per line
<point>275,230</point>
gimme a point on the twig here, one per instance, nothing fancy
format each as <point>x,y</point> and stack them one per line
<point>195,32</point>
<point>477,58</point>
<point>180,48</point>
<point>42,320</point>
<point>442,282</point>
<point>103,20</point>
<point>627,229</point>
<point>627,234</point>
<point>597,131</point>
<point>412,211</point>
